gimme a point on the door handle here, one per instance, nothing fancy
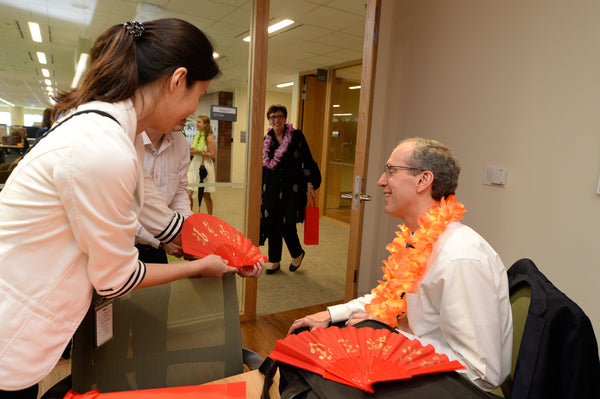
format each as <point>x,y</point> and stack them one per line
<point>365,197</point>
<point>362,197</point>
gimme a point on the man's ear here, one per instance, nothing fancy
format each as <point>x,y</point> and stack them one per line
<point>178,79</point>
<point>425,181</point>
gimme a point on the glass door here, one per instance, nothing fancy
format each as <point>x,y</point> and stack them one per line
<point>341,146</point>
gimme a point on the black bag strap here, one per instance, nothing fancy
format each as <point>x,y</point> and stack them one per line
<point>87,111</point>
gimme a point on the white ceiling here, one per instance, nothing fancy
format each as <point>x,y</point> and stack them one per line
<point>325,33</point>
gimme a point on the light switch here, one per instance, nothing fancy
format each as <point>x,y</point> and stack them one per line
<point>494,176</point>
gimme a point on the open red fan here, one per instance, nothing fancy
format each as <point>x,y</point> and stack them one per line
<point>205,234</point>
<point>360,357</point>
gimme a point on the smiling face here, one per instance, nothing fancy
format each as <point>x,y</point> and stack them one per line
<point>399,188</point>
<point>277,121</point>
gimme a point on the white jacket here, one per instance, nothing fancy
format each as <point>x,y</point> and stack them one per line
<point>68,217</point>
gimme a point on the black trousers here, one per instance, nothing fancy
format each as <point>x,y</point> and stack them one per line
<point>27,393</point>
<point>276,235</point>
<point>149,254</point>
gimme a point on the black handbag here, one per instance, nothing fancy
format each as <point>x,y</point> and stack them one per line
<point>203,172</point>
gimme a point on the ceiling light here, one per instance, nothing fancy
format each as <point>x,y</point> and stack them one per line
<point>275,27</point>
<point>45,72</point>
<point>7,102</point>
<point>216,55</point>
<point>285,84</point>
<point>354,87</point>
<point>336,105</point>
<point>81,66</point>
<point>48,82</point>
<point>41,57</point>
<point>342,114</point>
<point>36,35</point>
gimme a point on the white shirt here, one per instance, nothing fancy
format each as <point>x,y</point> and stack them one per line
<point>68,216</point>
<point>167,167</point>
<point>461,307</point>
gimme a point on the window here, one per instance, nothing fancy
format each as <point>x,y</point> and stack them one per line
<point>30,119</point>
<point>5,118</point>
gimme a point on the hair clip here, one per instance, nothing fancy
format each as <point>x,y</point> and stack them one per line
<point>134,28</point>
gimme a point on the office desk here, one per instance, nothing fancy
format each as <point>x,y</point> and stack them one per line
<point>254,383</point>
<point>7,148</point>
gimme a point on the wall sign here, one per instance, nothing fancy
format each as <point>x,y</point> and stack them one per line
<point>220,113</point>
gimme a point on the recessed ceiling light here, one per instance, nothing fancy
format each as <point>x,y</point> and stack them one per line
<point>285,84</point>
<point>45,72</point>
<point>216,55</point>
<point>48,82</point>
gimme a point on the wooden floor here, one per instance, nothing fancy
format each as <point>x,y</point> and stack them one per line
<point>261,334</point>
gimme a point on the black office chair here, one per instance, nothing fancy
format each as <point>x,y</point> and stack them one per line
<point>184,333</point>
<point>555,350</point>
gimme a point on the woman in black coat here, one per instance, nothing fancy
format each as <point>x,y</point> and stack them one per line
<point>289,173</point>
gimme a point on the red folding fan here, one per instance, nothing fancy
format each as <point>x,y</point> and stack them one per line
<point>360,357</point>
<point>205,234</point>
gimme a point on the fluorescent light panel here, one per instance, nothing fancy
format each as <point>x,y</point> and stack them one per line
<point>41,57</point>
<point>45,72</point>
<point>7,102</point>
<point>285,84</point>
<point>36,35</point>
<point>275,27</point>
<point>83,57</point>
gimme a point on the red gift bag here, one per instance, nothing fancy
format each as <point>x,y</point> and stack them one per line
<point>311,223</point>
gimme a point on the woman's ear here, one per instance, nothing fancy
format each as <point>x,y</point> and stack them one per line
<point>178,79</point>
<point>425,181</point>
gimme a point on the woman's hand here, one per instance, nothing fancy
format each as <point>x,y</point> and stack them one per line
<point>252,271</point>
<point>210,266</point>
<point>310,190</point>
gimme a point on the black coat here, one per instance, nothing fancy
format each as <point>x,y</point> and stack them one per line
<point>284,187</point>
<point>558,356</point>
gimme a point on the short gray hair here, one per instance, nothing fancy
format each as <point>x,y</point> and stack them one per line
<point>435,157</point>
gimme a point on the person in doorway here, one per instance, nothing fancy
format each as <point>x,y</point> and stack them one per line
<point>202,170</point>
<point>289,174</point>
<point>443,283</point>
<point>68,212</point>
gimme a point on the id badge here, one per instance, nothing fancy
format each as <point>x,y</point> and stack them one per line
<point>103,318</point>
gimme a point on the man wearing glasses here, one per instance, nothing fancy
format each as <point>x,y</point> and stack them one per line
<point>461,301</point>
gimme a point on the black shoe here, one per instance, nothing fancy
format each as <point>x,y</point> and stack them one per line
<point>271,271</point>
<point>293,267</point>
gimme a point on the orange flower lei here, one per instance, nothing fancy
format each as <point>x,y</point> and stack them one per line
<point>406,266</point>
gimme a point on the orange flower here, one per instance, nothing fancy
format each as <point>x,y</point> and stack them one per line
<point>405,267</point>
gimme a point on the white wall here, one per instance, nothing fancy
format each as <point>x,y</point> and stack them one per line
<point>503,83</point>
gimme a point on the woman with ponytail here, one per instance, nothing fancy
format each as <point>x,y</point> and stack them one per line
<point>68,212</point>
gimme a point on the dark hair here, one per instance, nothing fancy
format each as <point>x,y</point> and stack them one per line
<point>435,157</point>
<point>277,107</point>
<point>121,62</point>
<point>46,118</point>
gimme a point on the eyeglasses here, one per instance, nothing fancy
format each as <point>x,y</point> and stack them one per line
<point>276,117</point>
<point>387,169</point>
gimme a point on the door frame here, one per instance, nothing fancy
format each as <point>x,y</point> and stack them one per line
<point>363,133</point>
<point>257,97</point>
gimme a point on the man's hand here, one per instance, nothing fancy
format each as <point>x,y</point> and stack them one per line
<point>319,319</point>
<point>173,249</point>
<point>358,317</point>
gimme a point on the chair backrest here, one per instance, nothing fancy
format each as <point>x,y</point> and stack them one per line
<point>183,333</point>
<point>520,298</point>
